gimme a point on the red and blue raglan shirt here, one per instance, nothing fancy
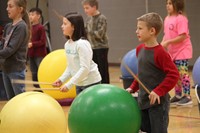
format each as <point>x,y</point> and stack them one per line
<point>156,71</point>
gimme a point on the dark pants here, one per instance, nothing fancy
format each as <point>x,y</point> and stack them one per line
<point>155,119</point>
<point>79,89</point>
<point>34,65</point>
<point>100,57</point>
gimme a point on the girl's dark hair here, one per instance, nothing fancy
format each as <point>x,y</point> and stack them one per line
<point>37,10</point>
<point>78,23</point>
<point>179,6</point>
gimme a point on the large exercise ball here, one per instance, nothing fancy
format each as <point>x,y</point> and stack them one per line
<point>196,72</point>
<point>130,59</point>
<point>32,112</point>
<point>50,69</point>
<point>104,108</point>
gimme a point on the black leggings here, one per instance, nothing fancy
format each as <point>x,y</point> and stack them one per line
<point>79,89</point>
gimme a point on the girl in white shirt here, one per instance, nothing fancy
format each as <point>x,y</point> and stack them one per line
<point>81,70</point>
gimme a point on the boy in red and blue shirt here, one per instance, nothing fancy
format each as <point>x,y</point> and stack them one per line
<point>157,72</point>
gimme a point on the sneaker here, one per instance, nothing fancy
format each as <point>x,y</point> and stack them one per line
<point>185,100</point>
<point>175,100</point>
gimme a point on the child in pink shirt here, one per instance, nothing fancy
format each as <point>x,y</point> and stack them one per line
<point>177,41</point>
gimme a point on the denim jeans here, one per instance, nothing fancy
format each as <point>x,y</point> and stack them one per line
<point>13,89</point>
<point>155,119</point>
<point>34,65</point>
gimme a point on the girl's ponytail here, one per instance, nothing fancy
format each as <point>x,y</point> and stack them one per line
<point>25,17</point>
<point>27,21</point>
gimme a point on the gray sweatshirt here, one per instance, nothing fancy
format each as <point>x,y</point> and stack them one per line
<point>14,54</point>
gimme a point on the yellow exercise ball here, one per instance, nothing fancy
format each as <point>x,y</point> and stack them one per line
<point>32,112</point>
<point>50,69</point>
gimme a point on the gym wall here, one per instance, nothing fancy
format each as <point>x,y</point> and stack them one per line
<point>121,16</point>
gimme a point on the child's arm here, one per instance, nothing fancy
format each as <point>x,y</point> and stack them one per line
<point>42,38</point>
<point>134,87</point>
<point>165,63</point>
<point>66,75</point>
<point>153,97</point>
<point>174,41</point>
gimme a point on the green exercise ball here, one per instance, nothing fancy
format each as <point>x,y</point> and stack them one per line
<point>104,108</point>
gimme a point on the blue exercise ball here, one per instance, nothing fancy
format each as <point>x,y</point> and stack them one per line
<point>104,108</point>
<point>130,59</point>
<point>196,72</point>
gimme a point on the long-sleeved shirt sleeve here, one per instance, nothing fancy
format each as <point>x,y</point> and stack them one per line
<point>134,86</point>
<point>169,68</point>
<point>66,75</point>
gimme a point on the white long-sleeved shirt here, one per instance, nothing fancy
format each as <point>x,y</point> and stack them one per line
<point>81,69</point>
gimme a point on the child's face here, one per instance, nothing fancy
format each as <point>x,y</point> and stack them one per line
<point>34,17</point>
<point>170,8</point>
<point>14,11</point>
<point>67,27</point>
<point>144,34</point>
<point>90,11</point>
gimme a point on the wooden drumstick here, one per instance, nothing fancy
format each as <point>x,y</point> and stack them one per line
<point>42,89</point>
<point>18,81</point>
<point>135,77</point>
<point>58,15</point>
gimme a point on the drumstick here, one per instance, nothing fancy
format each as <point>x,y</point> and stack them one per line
<point>18,81</point>
<point>49,89</point>
<point>135,77</point>
<point>58,15</point>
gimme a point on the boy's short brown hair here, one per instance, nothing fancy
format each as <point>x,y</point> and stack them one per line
<point>152,20</point>
<point>91,3</point>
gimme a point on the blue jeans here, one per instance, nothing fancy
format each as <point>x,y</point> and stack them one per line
<point>34,65</point>
<point>13,89</point>
<point>155,119</point>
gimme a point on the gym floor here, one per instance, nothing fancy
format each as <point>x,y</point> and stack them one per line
<point>183,119</point>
